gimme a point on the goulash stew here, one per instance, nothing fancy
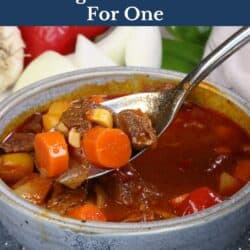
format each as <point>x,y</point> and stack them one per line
<point>202,159</point>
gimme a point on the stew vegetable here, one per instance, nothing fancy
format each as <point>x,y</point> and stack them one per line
<point>200,160</point>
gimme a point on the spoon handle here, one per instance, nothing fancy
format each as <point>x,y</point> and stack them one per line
<point>214,59</point>
<point>171,101</point>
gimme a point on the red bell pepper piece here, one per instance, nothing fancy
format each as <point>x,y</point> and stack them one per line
<point>197,200</point>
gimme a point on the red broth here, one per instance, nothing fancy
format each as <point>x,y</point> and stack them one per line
<point>198,159</point>
<point>199,145</point>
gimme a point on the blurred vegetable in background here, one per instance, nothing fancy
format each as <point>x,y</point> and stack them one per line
<point>121,46</point>
<point>185,50</point>
<point>195,34</point>
<point>61,39</point>
<point>11,55</point>
<point>51,50</point>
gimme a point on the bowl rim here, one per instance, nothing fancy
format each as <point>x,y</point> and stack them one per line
<point>241,198</point>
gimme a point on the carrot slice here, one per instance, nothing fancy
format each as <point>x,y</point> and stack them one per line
<point>51,153</point>
<point>87,212</point>
<point>242,170</point>
<point>107,147</point>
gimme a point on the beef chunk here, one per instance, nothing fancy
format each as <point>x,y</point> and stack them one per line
<point>63,198</point>
<point>74,116</point>
<point>18,142</point>
<point>75,175</point>
<point>127,188</point>
<point>137,125</point>
<point>33,124</point>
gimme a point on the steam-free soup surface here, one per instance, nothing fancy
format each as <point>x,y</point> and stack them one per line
<point>201,159</point>
<point>194,152</point>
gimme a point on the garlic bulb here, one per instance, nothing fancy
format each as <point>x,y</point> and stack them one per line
<point>11,55</point>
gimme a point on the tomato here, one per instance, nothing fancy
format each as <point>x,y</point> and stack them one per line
<point>197,200</point>
<point>61,39</point>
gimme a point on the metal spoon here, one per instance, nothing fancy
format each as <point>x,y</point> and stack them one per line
<point>163,106</point>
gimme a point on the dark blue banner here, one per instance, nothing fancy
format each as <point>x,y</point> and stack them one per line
<point>124,12</point>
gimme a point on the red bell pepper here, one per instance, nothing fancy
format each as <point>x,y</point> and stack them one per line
<point>61,39</point>
<point>197,200</point>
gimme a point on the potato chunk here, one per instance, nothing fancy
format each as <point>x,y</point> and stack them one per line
<point>51,118</point>
<point>74,138</point>
<point>101,116</point>
<point>33,188</point>
<point>58,107</point>
<point>228,184</point>
<point>14,167</point>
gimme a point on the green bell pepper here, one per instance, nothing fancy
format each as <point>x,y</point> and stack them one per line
<point>186,50</point>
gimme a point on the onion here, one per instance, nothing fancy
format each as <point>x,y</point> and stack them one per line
<point>144,47</point>
<point>88,55</point>
<point>48,64</point>
<point>114,44</point>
